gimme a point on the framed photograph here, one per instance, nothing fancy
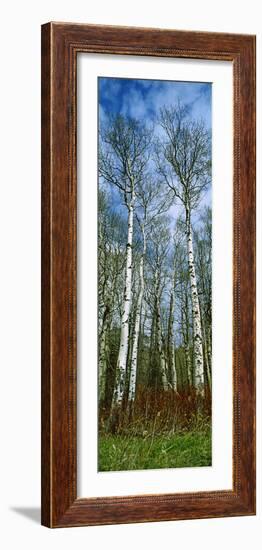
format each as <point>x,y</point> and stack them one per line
<point>148,275</point>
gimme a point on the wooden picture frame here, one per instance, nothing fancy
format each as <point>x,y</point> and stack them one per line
<point>61,43</point>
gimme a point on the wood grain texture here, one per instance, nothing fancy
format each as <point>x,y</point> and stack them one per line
<point>60,44</point>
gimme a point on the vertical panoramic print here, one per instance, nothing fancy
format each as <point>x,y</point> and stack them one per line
<point>154,274</point>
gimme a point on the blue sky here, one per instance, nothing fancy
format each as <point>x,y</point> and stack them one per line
<point>142,99</point>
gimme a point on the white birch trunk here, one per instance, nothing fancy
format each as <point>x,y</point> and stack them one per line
<point>197,331</point>
<point>124,335</point>
<point>133,370</point>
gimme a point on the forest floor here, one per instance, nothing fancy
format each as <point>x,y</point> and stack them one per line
<point>181,450</point>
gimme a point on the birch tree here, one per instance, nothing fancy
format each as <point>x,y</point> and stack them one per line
<point>185,165</point>
<point>123,158</point>
<point>203,245</point>
<point>133,368</point>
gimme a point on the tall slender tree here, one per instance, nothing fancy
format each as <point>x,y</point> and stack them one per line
<point>123,158</point>
<point>185,165</point>
<point>203,246</point>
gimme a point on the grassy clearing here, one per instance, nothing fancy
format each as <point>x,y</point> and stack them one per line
<point>182,450</point>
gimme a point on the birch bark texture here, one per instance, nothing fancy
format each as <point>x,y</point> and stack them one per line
<point>124,334</point>
<point>197,328</point>
<point>133,369</point>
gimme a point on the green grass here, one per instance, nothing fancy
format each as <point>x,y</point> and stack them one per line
<point>181,450</point>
